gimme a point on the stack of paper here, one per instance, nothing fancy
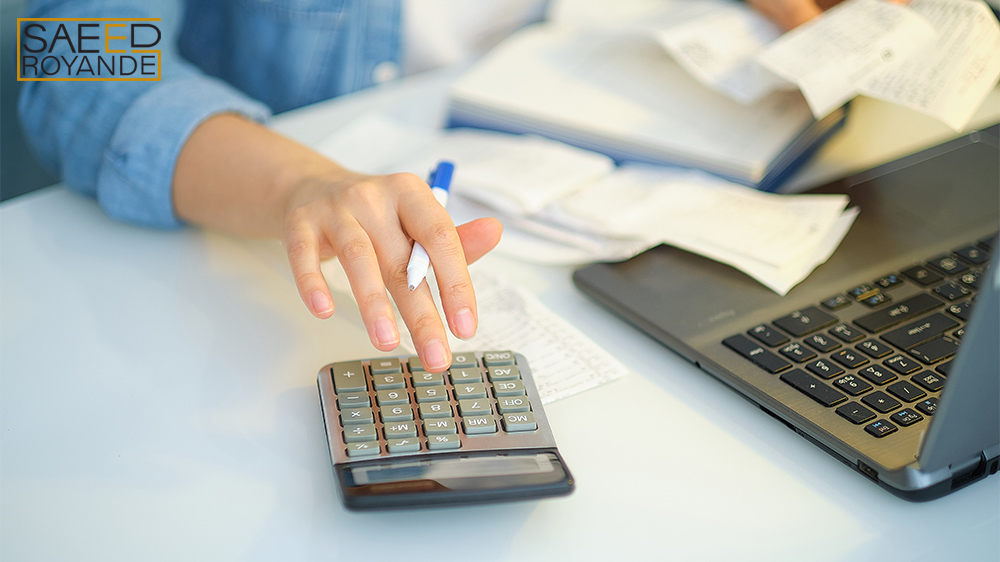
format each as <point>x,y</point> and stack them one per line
<point>938,57</point>
<point>563,205</point>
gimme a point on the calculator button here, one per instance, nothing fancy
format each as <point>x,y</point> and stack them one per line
<point>463,361</point>
<point>428,379</point>
<point>399,430</point>
<point>493,358</point>
<point>444,442</point>
<point>353,399</point>
<point>440,426</point>
<point>431,394</point>
<point>384,366</point>
<point>406,445</point>
<point>508,388</point>
<point>520,421</point>
<point>505,373</point>
<point>356,415</point>
<point>349,376</point>
<point>513,404</point>
<point>479,424</point>
<point>414,363</point>
<point>465,375</point>
<point>383,382</point>
<point>358,433</point>
<point>474,407</point>
<point>434,410</point>
<point>363,449</point>
<point>392,397</point>
<point>470,390</point>
<point>397,413</point>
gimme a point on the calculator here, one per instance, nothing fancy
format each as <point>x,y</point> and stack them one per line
<point>401,436</point>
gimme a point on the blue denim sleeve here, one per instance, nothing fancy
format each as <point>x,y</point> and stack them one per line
<point>119,141</point>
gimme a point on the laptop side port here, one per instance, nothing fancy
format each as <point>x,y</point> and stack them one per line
<point>868,471</point>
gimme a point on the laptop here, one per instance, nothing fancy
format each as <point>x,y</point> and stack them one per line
<point>886,356</point>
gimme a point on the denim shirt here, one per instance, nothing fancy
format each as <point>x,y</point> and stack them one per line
<point>119,141</point>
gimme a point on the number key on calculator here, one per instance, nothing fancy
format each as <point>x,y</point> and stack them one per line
<point>401,436</point>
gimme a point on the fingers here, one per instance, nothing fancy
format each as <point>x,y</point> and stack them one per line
<point>433,228</point>
<point>303,256</point>
<point>479,237</point>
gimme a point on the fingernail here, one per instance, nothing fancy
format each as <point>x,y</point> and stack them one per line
<point>320,302</point>
<point>385,332</point>
<point>465,324</point>
<point>435,356</point>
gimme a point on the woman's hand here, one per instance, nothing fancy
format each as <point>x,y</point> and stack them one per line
<point>235,175</point>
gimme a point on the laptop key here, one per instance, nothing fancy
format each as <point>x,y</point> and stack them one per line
<point>856,413</point>
<point>905,310</point>
<point>882,402</point>
<point>757,354</point>
<point>935,350</point>
<point>852,385</point>
<point>849,358</point>
<point>973,255</point>
<point>888,281</point>
<point>805,321</point>
<point>906,417</point>
<point>836,302</point>
<point>880,428</point>
<point>901,364</point>
<point>877,374</point>
<point>961,310</point>
<point>797,352</point>
<point>824,368</point>
<point>928,406</point>
<point>922,275</point>
<point>768,335</point>
<point>821,343</point>
<point>813,387</point>
<point>952,290</point>
<point>847,333</point>
<point>873,348</point>
<point>906,391</point>
<point>928,380</point>
<point>949,265</point>
<point>923,330</point>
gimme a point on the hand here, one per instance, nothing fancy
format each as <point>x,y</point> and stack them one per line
<point>368,222</point>
<point>791,13</point>
<point>240,177</point>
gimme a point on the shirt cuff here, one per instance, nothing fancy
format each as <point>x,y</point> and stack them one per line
<point>134,183</point>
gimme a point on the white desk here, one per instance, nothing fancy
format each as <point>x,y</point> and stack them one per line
<point>158,402</point>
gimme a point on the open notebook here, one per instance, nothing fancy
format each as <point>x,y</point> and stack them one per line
<point>886,356</point>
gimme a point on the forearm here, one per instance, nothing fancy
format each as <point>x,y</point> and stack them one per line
<point>237,176</point>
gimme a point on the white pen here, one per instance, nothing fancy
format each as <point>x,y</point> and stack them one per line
<point>440,182</point>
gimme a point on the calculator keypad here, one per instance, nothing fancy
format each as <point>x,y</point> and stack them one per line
<point>392,406</point>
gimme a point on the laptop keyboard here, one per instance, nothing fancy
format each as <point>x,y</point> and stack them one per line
<point>884,369</point>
